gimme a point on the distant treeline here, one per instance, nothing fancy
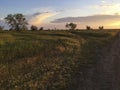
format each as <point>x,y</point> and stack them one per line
<point>18,22</point>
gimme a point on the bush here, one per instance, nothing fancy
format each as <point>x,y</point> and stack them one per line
<point>34,28</point>
<point>101,27</point>
<point>88,28</point>
<point>41,28</point>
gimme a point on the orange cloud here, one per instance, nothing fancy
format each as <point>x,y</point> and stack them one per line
<point>39,19</point>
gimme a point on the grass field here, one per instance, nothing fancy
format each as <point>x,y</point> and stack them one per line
<point>48,60</point>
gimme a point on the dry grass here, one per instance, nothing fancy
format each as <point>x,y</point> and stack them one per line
<point>47,60</point>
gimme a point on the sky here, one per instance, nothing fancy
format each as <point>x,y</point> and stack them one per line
<point>56,13</point>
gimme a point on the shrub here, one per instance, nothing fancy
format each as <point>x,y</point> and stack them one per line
<point>41,28</point>
<point>88,28</point>
<point>101,27</point>
<point>34,28</point>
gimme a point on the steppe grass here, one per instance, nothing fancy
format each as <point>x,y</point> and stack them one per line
<point>48,60</point>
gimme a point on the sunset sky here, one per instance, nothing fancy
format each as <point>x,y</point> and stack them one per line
<point>56,13</point>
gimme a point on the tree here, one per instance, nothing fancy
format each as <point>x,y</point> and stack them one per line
<point>88,27</point>
<point>71,26</point>
<point>101,27</point>
<point>34,28</point>
<point>41,28</point>
<point>16,21</point>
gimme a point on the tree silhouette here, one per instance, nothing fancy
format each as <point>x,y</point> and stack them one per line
<point>34,28</point>
<point>101,27</point>
<point>71,26</point>
<point>41,28</point>
<point>88,28</point>
<point>16,21</point>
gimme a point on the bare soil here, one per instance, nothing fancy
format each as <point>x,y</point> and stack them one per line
<point>105,75</point>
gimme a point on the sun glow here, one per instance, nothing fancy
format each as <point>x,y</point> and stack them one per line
<point>117,23</point>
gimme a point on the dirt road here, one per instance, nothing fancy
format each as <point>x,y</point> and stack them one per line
<point>109,68</point>
<point>106,73</point>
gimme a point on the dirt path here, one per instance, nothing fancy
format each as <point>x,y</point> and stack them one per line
<point>108,68</point>
<point>116,68</point>
<point>106,73</point>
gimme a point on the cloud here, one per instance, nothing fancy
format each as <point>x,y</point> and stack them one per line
<point>1,19</point>
<point>94,18</point>
<point>109,21</point>
<point>106,6</point>
<point>103,1</point>
<point>40,9</point>
<point>3,23</point>
<point>38,18</point>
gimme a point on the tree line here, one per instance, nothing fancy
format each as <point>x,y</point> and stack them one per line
<point>18,22</point>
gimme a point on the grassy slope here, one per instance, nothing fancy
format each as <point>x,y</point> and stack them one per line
<point>51,60</point>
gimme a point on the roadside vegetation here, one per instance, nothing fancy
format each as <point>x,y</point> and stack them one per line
<point>48,60</point>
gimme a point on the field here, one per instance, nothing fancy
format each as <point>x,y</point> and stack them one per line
<point>49,60</point>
